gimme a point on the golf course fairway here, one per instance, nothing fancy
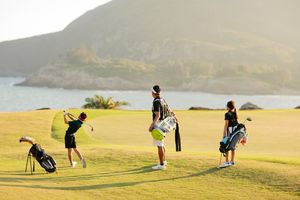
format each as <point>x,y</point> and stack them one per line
<point>119,155</point>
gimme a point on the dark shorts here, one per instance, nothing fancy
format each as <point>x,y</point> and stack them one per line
<point>70,141</point>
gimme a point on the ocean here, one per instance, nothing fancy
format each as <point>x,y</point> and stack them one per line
<point>19,98</point>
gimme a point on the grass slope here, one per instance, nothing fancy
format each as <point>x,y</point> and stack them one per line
<point>120,156</point>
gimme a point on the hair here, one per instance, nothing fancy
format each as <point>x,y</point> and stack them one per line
<point>231,106</point>
<point>82,116</point>
<point>156,89</point>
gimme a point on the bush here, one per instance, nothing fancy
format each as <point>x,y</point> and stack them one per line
<point>99,102</point>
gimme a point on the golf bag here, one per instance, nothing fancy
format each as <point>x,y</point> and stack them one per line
<point>165,126</point>
<point>230,142</point>
<point>46,161</point>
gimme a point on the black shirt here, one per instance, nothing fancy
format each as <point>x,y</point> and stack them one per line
<point>232,119</point>
<point>157,107</point>
<point>73,127</point>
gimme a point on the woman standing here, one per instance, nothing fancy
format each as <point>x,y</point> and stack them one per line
<point>231,122</point>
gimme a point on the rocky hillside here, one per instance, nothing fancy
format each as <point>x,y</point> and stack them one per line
<point>214,46</point>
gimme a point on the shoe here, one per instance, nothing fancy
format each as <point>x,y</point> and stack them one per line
<point>232,163</point>
<point>159,167</point>
<point>165,163</point>
<point>74,163</point>
<point>225,164</point>
<point>83,163</point>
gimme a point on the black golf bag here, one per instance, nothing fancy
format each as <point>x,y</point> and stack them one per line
<point>46,161</point>
<point>230,142</point>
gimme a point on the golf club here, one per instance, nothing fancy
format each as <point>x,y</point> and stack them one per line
<point>92,128</point>
<point>248,119</point>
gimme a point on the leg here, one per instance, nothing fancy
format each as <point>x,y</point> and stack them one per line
<point>226,156</point>
<point>161,155</point>
<point>70,155</point>
<point>232,155</point>
<point>78,153</point>
<point>164,151</point>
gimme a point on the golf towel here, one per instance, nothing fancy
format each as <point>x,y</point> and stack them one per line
<point>177,138</point>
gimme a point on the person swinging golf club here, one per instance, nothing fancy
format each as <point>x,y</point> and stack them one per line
<point>70,142</point>
<point>160,111</point>
<point>231,122</point>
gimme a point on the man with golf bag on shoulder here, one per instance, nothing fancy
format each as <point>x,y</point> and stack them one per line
<point>160,111</point>
<point>70,142</point>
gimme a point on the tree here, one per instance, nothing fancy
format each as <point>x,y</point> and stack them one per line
<point>99,102</point>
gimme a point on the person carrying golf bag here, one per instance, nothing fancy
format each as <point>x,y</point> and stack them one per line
<point>70,140</point>
<point>231,124</point>
<point>163,121</point>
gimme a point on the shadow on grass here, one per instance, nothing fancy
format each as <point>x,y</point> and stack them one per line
<point>34,177</point>
<point>104,186</point>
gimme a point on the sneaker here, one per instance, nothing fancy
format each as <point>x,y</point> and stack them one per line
<point>159,167</point>
<point>225,164</point>
<point>165,163</point>
<point>83,163</point>
<point>232,163</point>
<point>74,163</point>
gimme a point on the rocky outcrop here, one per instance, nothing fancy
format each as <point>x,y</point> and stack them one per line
<point>250,106</point>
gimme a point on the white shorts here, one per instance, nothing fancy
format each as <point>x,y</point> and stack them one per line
<point>158,143</point>
<point>231,129</point>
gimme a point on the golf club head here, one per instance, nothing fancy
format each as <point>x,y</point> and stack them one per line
<point>249,119</point>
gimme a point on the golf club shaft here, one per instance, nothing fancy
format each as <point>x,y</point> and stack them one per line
<point>83,122</point>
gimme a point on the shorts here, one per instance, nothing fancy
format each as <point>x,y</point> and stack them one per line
<point>70,141</point>
<point>231,129</point>
<point>158,143</point>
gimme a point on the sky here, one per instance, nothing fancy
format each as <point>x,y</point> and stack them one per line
<point>25,18</point>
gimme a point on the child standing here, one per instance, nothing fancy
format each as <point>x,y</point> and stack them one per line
<point>70,140</point>
<point>231,122</point>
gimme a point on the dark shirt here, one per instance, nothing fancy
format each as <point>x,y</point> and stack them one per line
<point>73,127</point>
<point>157,107</point>
<point>232,119</point>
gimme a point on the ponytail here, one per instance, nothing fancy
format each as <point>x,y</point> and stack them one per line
<point>236,114</point>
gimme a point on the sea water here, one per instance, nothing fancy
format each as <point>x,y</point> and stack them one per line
<point>19,98</point>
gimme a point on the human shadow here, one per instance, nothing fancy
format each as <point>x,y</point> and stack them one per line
<point>115,185</point>
<point>33,177</point>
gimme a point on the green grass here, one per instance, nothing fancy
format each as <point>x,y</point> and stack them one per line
<point>119,156</point>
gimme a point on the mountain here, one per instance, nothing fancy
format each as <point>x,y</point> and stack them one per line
<point>233,46</point>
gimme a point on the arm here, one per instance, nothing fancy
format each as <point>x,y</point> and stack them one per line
<point>72,117</point>
<point>157,116</point>
<point>69,115</point>
<point>65,119</point>
<point>174,115</point>
<point>225,128</point>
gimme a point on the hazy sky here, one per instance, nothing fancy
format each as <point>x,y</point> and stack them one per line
<point>24,18</point>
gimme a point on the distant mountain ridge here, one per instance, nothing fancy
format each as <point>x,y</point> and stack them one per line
<point>211,46</point>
